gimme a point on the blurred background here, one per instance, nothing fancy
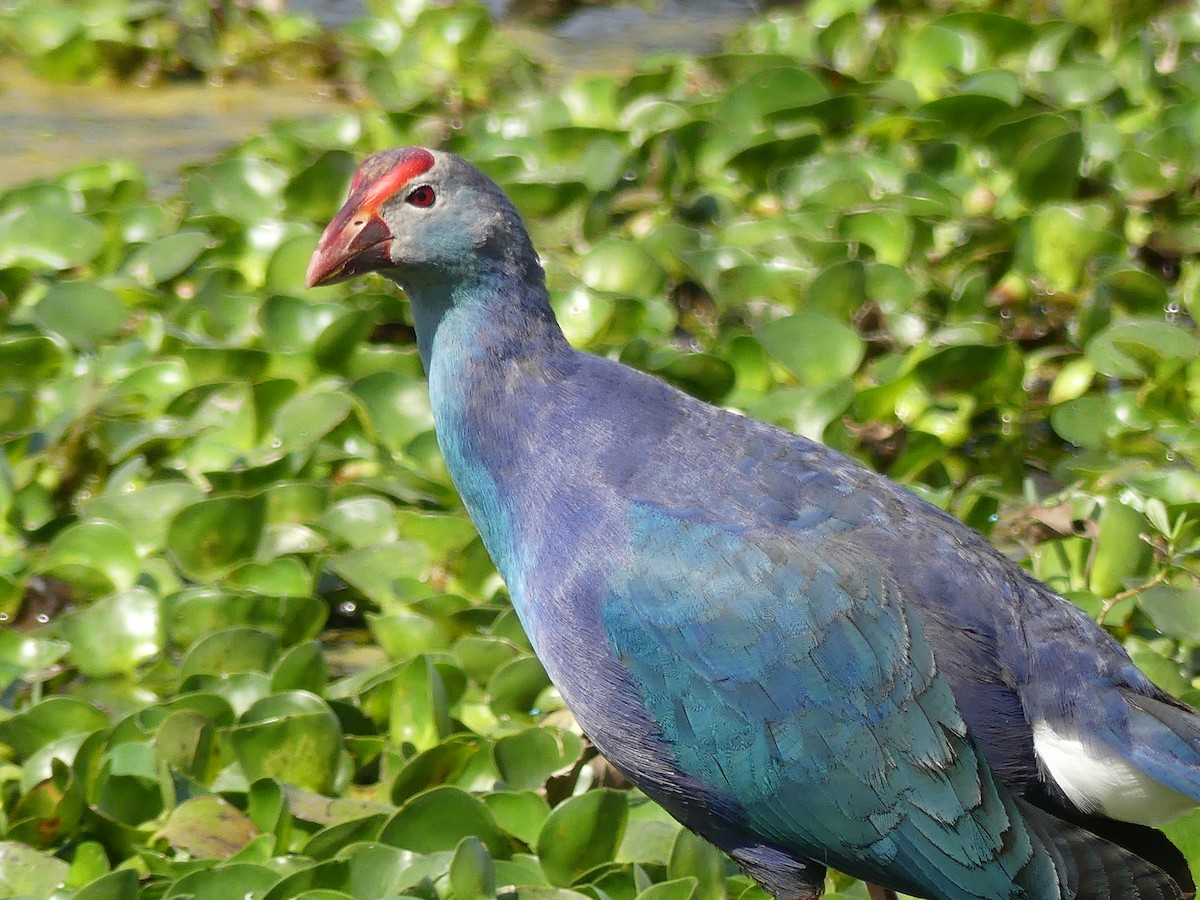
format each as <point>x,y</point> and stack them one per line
<point>252,646</point>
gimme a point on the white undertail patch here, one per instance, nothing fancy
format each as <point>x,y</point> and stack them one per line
<point>1099,781</point>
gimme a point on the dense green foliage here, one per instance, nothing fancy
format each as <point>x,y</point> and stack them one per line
<point>252,645</point>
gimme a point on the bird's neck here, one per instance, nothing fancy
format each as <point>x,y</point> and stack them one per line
<point>480,321</point>
<point>489,345</point>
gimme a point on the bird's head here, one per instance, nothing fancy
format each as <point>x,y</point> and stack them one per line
<point>418,214</point>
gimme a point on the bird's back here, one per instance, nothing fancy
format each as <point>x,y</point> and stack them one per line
<point>763,634</point>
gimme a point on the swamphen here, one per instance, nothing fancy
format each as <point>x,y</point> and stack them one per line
<point>801,661</point>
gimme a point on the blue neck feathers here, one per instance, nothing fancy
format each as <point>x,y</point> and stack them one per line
<point>488,340</point>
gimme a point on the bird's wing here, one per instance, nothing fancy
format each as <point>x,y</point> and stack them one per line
<point>798,682</point>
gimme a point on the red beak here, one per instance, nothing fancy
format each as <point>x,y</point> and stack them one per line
<point>355,242</point>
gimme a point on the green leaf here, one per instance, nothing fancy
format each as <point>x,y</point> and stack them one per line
<point>210,538</point>
<point>622,267</point>
<point>1120,555</point>
<point>439,819</point>
<point>815,347</point>
<point>116,634</point>
<point>1134,348</point>
<point>1175,610</point>
<point>472,873</point>
<point>516,685</point>
<point>581,833</point>
<point>292,736</point>
<point>85,314</point>
<point>97,556</point>
<point>526,759</point>
<point>207,827</point>
<point>48,721</point>
<point>676,889</point>
<point>166,257</point>
<point>521,813</point>
<point>695,857</point>
<point>31,360</point>
<point>48,237</point>
<point>26,872</point>
<point>307,417</point>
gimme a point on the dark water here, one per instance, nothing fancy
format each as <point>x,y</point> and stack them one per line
<point>50,127</point>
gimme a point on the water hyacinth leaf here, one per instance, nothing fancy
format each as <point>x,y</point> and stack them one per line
<point>441,764</point>
<point>48,237</point>
<point>236,879</point>
<point>481,655</point>
<point>208,827</point>
<point>514,687</point>
<point>116,634</point>
<point>301,668</point>
<point>581,833</point>
<point>1135,348</point>
<point>419,713</point>
<point>520,813</point>
<point>185,741</point>
<point>89,863</point>
<point>290,324</point>
<point>284,576</point>
<point>617,266</point>
<point>48,721</point>
<point>306,418</point>
<point>1174,609</point>
<point>649,835</point>
<point>1078,84</point>
<point>702,375</point>
<point>292,736</point>
<point>25,654</point>
<point>341,338</point>
<point>768,91</point>
<point>472,872</point>
<point>1162,670</point>
<point>676,889</point>
<point>242,188</point>
<point>839,290</point>
<point>1051,170</point>
<point>210,538</point>
<point>26,872</point>
<point>31,360</point>
<point>1142,177</point>
<point>321,186</point>
<point>143,514</point>
<point>167,257</point>
<point>1120,554</point>
<point>196,612</point>
<point>398,406</point>
<point>528,758</point>
<point>82,313</point>
<point>360,521</point>
<point>96,556</point>
<point>886,231</point>
<point>692,856</point>
<point>1134,290</point>
<point>330,841</point>
<point>439,818</point>
<point>231,651</point>
<point>1065,239</point>
<point>403,635</point>
<point>813,346</point>
<point>378,571</point>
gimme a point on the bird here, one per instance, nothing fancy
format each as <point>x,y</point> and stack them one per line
<point>803,662</point>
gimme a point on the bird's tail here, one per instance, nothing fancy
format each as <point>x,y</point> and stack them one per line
<point>1092,868</point>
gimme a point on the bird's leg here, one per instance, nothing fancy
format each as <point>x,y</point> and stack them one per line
<point>881,893</point>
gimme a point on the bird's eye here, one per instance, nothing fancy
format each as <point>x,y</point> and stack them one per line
<point>422,196</point>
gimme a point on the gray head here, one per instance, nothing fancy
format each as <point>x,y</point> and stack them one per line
<point>419,216</point>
